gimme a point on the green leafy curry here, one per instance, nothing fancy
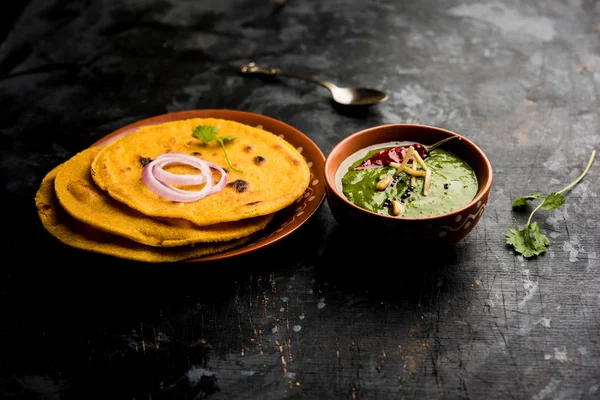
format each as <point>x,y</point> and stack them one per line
<point>453,184</point>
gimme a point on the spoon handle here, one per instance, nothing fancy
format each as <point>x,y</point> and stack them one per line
<point>253,68</point>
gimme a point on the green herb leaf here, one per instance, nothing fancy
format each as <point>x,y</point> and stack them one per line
<point>553,200</point>
<point>529,241</point>
<point>537,240</point>
<point>522,201</point>
<point>208,133</point>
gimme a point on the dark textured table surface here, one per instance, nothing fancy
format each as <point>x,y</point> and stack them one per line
<point>306,318</point>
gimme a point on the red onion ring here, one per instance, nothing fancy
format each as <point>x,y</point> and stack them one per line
<point>159,181</point>
<point>175,179</point>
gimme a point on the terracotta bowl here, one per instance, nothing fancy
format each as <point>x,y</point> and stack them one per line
<point>441,229</point>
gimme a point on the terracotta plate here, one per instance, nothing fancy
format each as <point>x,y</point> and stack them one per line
<point>287,220</point>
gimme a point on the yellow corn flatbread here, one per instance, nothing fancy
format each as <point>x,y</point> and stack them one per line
<point>274,173</point>
<point>85,201</point>
<point>78,235</point>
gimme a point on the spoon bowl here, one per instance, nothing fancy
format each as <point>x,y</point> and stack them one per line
<point>341,95</point>
<point>357,96</point>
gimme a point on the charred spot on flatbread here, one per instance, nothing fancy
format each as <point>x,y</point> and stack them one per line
<point>240,185</point>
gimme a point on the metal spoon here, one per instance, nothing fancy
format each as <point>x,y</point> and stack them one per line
<point>429,147</point>
<point>345,96</point>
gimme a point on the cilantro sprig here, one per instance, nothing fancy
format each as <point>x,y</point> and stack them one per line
<point>529,241</point>
<point>208,133</point>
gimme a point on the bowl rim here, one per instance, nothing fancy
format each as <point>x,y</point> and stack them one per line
<point>478,198</point>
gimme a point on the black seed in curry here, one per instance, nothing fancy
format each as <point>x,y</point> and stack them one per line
<point>145,161</point>
<point>406,194</point>
<point>258,160</point>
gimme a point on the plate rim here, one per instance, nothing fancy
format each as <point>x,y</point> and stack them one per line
<point>316,168</point>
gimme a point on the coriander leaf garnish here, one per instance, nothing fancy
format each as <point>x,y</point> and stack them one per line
<point>529,241</point>
<point>208,133</point>
<point>521,201</point>
<point>552,201</point>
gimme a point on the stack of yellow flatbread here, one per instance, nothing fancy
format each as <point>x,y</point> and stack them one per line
<point>98,201</point>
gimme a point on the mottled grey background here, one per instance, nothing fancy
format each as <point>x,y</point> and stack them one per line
<point>306,318</point>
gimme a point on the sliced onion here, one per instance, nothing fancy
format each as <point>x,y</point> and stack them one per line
<point>222,181</point>
<point>175,179</point>
<point>159,181</point>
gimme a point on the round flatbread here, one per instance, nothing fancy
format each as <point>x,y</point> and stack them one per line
<point>86,202</point>
<point>79,235</point>
<point>274,173</point>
